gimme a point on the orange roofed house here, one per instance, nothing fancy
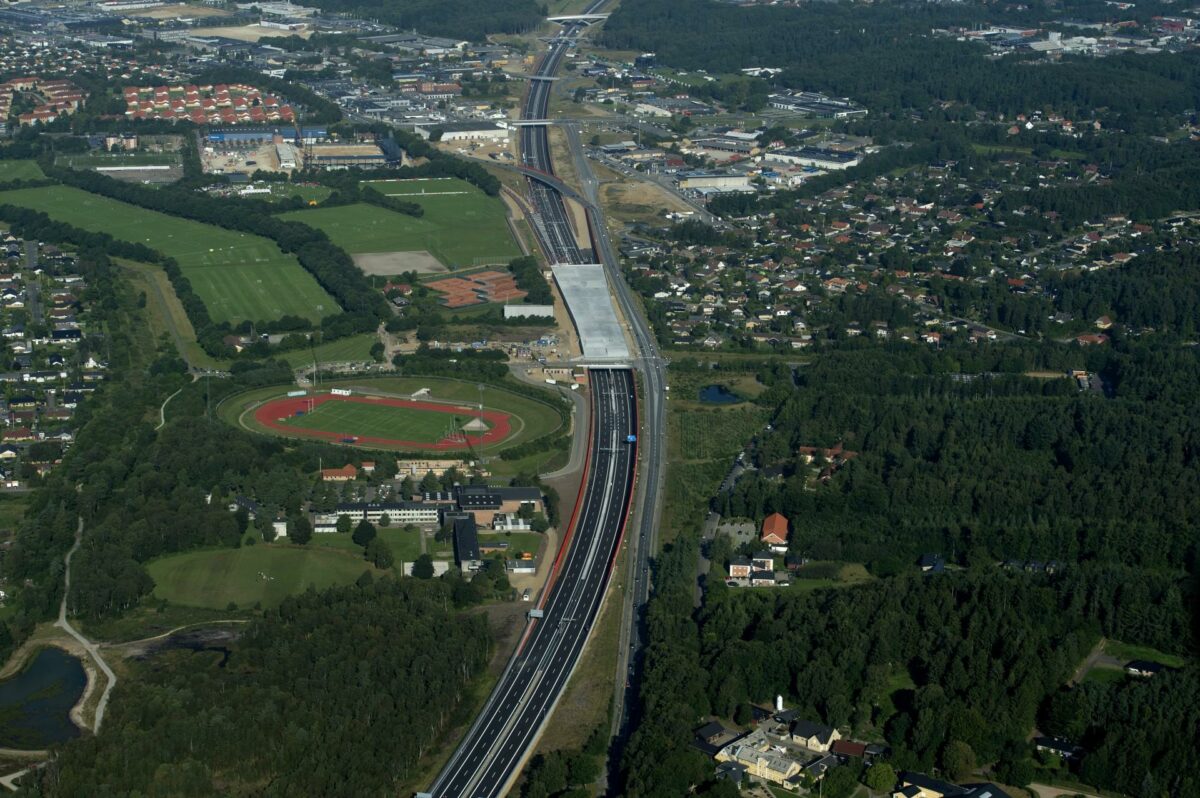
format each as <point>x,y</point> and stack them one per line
<point>775,532</point>
<point>343,474</point>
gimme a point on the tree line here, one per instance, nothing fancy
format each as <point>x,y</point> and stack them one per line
<point>338,692</point>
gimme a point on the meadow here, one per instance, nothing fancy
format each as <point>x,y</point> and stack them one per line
<point>20,170</point>
<point>263,573</point>
<point>238,276</point>
<point>462,226</point>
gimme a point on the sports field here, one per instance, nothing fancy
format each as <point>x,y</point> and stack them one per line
<point>265,573</point>
<point>20,170</point>
<point>382,414</point>
<point>461,227</point>
<point>380,421</point>
<point>239,276</point>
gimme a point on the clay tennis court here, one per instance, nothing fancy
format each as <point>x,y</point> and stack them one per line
<point>426,422</point>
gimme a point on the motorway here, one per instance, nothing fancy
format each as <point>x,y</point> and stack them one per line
<point>489,758</point>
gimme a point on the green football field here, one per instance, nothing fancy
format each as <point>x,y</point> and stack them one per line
<point>238,276</point>
<point>379,421</point>
<point>529,417</point>
<point>461,227</point>
<point>264,573</point>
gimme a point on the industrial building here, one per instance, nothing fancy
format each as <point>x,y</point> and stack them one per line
<point>816,157</point>
<point>464,131</point>
<point>724,181</point>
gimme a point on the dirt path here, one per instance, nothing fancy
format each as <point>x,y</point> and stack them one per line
<point>92,649</point>
<point>1095,658</point>
<point>1046,791</point>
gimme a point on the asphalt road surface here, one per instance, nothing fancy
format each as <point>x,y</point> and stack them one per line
<point>487,760</point>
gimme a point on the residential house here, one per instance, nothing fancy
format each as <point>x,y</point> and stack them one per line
<point>740,568</point>
<point>344,474</point>
<point>775,531</point>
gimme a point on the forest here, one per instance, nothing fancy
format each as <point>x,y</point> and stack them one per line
<point>960,453</point>
<point>883,55</point>
<point>337,693</point>
<point>455,18</point>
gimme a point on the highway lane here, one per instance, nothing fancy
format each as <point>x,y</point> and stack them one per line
<point>488,758</point>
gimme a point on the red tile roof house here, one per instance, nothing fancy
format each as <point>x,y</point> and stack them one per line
<point>343,474</point>
<point>775,531</point>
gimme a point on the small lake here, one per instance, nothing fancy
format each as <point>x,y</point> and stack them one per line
<point>719,395</point>
<point>35,705</point>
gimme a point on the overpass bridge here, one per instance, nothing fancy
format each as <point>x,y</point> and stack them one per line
<point>572,19</point>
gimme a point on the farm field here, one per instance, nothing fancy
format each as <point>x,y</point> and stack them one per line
<point>462,226</point>
<point>20,170</point>
<point>265,573</point>
<point>512,418</point>
<point>239,276</point>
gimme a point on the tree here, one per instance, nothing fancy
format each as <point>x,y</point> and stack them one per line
<point>344,524</point>
<point>265,527</point>
<point>423,567</point>
<point>299,530</point>
<point>880,777</point>
<point>958,759</point>
<point>385,520</point>
<point>379,553</point>
<point>242,517</point>
<point>840,783</point>
<point>364,532</point>
<point>430,483</point>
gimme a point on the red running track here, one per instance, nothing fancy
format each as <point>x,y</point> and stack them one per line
<point>272,414</point>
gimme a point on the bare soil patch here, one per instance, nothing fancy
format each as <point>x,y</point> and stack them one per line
<point>385,264</point>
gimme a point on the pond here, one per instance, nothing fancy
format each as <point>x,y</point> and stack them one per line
<point>719,395</point>
<point>35,705</point>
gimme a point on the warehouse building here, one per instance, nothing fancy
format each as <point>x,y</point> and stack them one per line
<point>816,157</point>
<point>724,181</point>
<point>464,131</point>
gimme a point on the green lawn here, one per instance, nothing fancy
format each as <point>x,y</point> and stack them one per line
<point>239,276</point>
<point>265,573</point>
<point>517,541</point>
<point>379,421</point>
<point>1105,676</point>
<point>532,418</point>
<point>1128,651</point>
<point>20,170</point>
<point>353,348</point>
<point>405,545</point>
<point>93,160</point>
<point>12,510</point>
<point>462,226</point>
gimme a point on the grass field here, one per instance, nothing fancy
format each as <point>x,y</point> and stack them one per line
<point>1128,651</point>
<point>371,421</point>
<point>239,276</point>
<point>461,227</point>
<point>215,577</point>
<point>405,544</point>
<point>20,170</point>
<point>93,160</point>
<point>353,348</point>
<point>531,418</point>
